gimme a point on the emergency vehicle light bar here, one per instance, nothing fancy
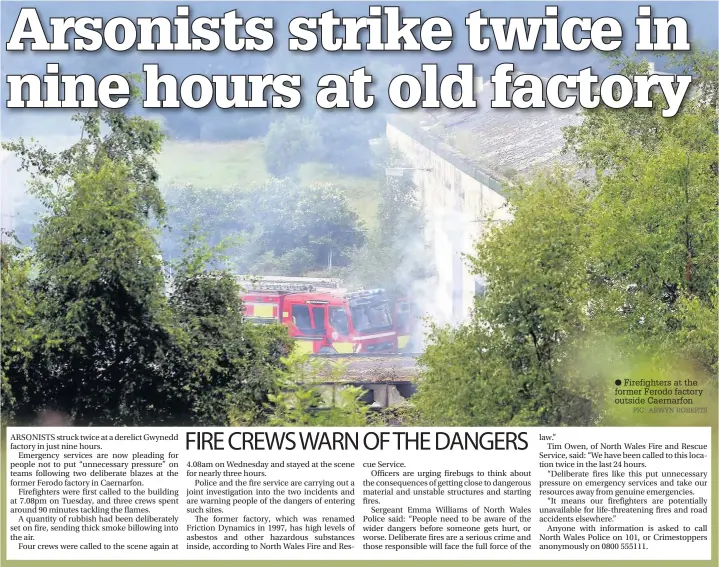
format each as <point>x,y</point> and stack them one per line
<point>287,284</point>
<point>289,280</point>
<point>279,287</point>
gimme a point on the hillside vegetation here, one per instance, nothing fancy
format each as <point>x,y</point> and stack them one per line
<point>229,164</point>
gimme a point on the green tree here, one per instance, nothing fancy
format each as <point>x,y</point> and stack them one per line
<point>317,217</point>
<point>289,143</point>
<point>303,226</point>
<point>281,227</point>
<point>91,333</point>
<point>16,315</point>
<point>107,135</point>
<point>223,368</point>
<point>345,136</point>
<point>505,367</point>
<point>102,314</point>
<point>654,246</point>
<point>301,401</point>
<point>220,215</point>
<point>624,266</point>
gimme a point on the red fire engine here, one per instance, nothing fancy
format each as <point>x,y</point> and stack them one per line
<point>320,315</point>
<point>405,320</point>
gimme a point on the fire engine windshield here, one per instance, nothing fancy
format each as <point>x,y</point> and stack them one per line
<point>371,316</point>
<point>339,320</point>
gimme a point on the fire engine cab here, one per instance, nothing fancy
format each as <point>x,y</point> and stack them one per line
<point>320,315</point>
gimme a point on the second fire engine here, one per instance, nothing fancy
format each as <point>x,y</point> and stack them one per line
<point>323,318</point>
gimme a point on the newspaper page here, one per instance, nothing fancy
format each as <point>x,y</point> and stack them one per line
<point>428,282</point>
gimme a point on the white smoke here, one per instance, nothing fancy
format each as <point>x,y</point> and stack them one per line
<point>447,296</point>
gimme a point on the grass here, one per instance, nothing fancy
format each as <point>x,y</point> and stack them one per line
<point>212,164</point>
<point>228,164</point>
<point>224,165</point>
<point>361,191</point>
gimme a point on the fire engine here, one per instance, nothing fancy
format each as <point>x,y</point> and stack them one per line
<point>323,317</point>
<point>405,322</point>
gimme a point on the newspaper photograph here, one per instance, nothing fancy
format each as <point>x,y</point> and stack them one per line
<point>290,281</point>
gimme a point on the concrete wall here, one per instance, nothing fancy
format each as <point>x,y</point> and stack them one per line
<point>458,199</point>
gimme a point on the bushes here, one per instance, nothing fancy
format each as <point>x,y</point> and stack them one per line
<point>591,284</point>
<point>289,143</point>
<point>285,228</point>
<point>89,329</point>
<point>339,137</point>
<point>300,401</point>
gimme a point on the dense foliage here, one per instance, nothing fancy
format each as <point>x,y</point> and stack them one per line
<point>290,142</point>
<point>590,281</point>
<point>278,228</point>
<point>505,365</point>
<point>625,266</point>
<point>302,400</point>
<point>90,328</point>
<point>338,137</point>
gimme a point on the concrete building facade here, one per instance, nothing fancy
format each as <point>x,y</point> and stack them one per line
<point>459,203</point>
<point>462,161</point>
